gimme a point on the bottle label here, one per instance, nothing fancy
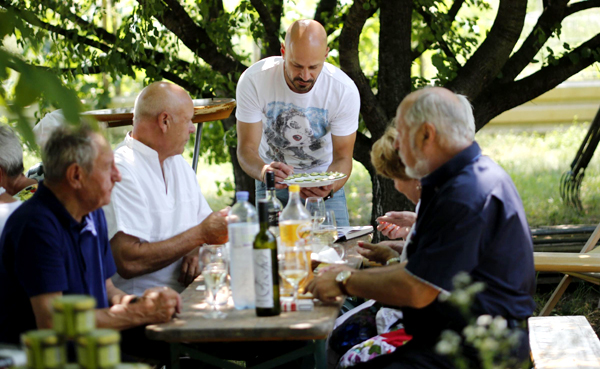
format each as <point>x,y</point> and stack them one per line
<point>274,218</point>
<point>263,278</point>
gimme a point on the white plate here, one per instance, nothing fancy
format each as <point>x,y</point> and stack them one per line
<point>318,181</point>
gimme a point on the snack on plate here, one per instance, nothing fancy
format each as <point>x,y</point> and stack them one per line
<point>314,177</point>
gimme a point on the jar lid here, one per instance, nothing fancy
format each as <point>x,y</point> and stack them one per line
<point>43,336</point>
<point>99,337</point>
<point>78,302</point>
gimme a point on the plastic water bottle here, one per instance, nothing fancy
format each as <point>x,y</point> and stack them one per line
<point>242,228</point>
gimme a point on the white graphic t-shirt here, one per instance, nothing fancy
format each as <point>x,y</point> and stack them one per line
<point>297,128</point>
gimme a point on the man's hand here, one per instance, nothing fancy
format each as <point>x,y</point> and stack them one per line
<point>190,267</point>
<point>281,171</point>
<point>396,224</point>
<point>306,192</point>
<point>213,230</point>
<point>376,252</point>
<point>324,286</point>
<point>158,305</point>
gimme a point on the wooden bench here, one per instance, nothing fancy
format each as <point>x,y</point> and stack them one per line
<point>563,342</point>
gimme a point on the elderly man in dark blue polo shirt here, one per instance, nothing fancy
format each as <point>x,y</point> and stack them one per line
<point>471,220</point>
<point>57,244</point>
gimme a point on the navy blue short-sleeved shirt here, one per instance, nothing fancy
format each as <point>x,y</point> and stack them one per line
<point>471,219</point>
<point>43,250</point>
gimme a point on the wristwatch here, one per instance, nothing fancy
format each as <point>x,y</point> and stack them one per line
<point>328,196</point>
<point>342,278</point>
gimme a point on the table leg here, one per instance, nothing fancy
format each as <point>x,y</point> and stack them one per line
<point>175,354</point>
<point>320,354</point>
<point>197,147</point>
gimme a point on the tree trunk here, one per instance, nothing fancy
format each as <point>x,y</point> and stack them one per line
<point>386,198</point>
<point>243,182</point>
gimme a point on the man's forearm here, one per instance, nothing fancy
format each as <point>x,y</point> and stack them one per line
<point>342,165</point>
<point>251,163</point>
<point>135,258</point>
<point>391,285</point>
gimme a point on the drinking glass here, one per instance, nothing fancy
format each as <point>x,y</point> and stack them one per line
<point>294,266</point>
<point>215,275</point>
<point>328,232</point>
<point>316,208</point>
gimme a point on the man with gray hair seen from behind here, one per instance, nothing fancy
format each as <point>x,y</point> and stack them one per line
<point>56,244</point>
<point>158,218</point>
<point>471,220</point>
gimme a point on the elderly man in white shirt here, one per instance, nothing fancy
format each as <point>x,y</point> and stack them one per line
<point>158,218</point>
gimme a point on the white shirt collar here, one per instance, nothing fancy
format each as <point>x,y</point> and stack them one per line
<point>138,146</point>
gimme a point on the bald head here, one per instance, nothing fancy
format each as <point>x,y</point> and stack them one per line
<point>159,97</point>
<point>306,34</point>
<point>304,54</point>
<point>162,118</point>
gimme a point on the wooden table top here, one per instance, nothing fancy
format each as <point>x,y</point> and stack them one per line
<point>242,325</point>
<point>205,110</point>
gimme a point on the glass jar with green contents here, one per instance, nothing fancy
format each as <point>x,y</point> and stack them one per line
<point>74,315</point>
<point>99,349</point>
<point>44,349</point>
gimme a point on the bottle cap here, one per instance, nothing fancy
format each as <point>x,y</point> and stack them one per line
<point>241,196</point>
<point>294,188</point>
<point>270,179</point>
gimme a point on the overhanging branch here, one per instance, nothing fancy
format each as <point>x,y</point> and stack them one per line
<point>485,64</point>
<point>178,21</point>
<point>451,15</point>
<point>271,20</point>
<point>500,97</point>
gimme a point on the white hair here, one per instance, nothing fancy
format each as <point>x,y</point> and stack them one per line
<point>454,122</point>
<point>11,152</point>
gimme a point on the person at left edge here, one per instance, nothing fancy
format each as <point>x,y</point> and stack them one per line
<point>56,244</point>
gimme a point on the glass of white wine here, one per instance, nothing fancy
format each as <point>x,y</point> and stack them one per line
<point>215,275</point>
<point>293,266</point>
<point>316,208</point>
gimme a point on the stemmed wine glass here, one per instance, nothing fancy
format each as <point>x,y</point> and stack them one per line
<point>328,233</point>
<point>293,266</point>
<point>215,274</point>
<point>316,208</point>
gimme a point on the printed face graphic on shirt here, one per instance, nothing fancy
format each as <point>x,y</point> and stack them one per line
<point>296,135</point>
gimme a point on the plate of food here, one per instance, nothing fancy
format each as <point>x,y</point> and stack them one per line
<point>315,179</point>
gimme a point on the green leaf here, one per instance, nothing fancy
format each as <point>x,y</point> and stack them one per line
<point>26,91</point>
<point>7,26</point>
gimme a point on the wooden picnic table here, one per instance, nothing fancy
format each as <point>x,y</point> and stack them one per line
<point>190,326</point>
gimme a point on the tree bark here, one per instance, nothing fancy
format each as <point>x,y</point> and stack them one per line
<point>243,182</point>
<point>395,59</point>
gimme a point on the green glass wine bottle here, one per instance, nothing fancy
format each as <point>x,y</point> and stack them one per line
<point>266,273</point>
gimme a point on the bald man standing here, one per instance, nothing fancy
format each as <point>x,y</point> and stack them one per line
<point>158,218</point>
<point>298,114</point>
